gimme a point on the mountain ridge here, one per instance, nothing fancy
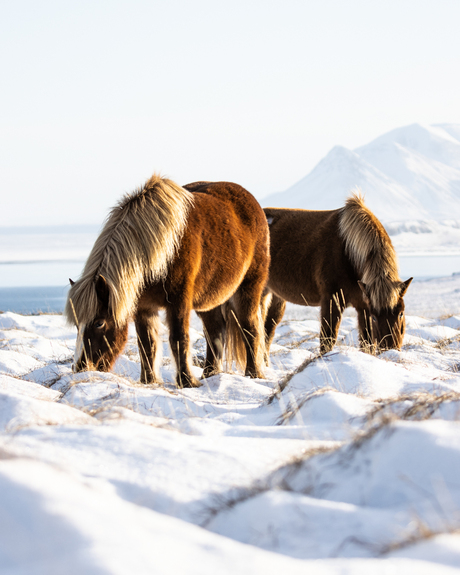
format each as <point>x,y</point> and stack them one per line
<point>409,173</point>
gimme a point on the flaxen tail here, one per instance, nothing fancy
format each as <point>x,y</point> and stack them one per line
<point>237,338</point>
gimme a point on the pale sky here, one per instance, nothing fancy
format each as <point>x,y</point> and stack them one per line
<point>97,95</point>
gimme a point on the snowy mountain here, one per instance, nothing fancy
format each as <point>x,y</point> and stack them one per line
<point>411,173</point>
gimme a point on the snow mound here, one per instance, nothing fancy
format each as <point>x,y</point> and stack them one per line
<point>342,463</point>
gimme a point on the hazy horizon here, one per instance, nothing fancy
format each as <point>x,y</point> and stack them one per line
<point>98,96</point>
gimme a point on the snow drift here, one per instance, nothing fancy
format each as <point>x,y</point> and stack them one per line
<point>346,463</point>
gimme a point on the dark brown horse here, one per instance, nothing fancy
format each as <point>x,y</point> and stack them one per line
<point>178,249</point>
<point>335,259</point>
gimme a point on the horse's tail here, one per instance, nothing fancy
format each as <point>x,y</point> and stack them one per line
<point>139,240</point>
<point>237,339</point>
<point>370,250</point>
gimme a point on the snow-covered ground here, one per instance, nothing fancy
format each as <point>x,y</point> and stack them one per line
<point>348,463</point>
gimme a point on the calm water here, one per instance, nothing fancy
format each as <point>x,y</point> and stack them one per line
<point>26,300</point>
<point>36,264</point>
<point>34,295</point>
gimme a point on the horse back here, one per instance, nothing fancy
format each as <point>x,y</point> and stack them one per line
<point>230,197</point>
<point>226,235</point>
<point>307,255</point>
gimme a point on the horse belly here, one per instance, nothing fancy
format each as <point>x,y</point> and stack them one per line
<point>292,279</point>
<point>295,259</point>
<point>299,293</point>
<point>217,289</point>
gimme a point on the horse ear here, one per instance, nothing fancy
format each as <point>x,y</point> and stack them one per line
<point>102,291</point>
<point>403,287</point>
<point>71,281</point>
<point>366,297</point>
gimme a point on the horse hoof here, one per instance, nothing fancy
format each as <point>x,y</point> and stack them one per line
<point>209,372</point>
<point>256,374</point>
<point>325,348</point>
<point>188,382</point>
<point>151,381</point>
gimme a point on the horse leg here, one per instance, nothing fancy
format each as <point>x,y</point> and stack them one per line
<point>214,330</point>
<point>246,302</point>
<point>149,342</point>
<point>331,316</point>
<point>272,311</point>
<point>178,317</point>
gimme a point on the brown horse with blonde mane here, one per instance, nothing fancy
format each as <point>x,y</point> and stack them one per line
<point>174,248</point>
<point>335,259</point>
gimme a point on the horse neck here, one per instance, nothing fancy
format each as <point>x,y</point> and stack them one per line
<point>371,252</point>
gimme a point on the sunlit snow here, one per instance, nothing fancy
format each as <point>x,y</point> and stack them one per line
<point>346,463</point>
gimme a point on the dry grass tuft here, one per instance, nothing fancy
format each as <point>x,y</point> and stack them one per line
<point>226,502</point>
<point>421,405</point>
<point>281,385</point>
<point>280,477</point>
<point>365,435</point>
<point>421,532</point>
<point>4,454</point>
<point>306,454</point>
<point>293,406</point>
<point>442,344</point>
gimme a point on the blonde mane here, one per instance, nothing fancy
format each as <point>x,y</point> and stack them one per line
<point>140,238</point>
<point>371,252</point>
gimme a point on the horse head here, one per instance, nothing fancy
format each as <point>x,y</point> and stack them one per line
<point>385,327</point>
<point>101,340</point>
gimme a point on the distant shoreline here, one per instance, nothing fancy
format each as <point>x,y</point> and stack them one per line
<point>33,300</point>
<point>59,229</point>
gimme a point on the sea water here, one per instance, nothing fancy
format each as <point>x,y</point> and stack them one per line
<point>36,264</point>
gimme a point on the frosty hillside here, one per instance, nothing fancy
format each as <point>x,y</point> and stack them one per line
<point>345,462</point>
<point>411,180</point>
<point>351,459</point>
